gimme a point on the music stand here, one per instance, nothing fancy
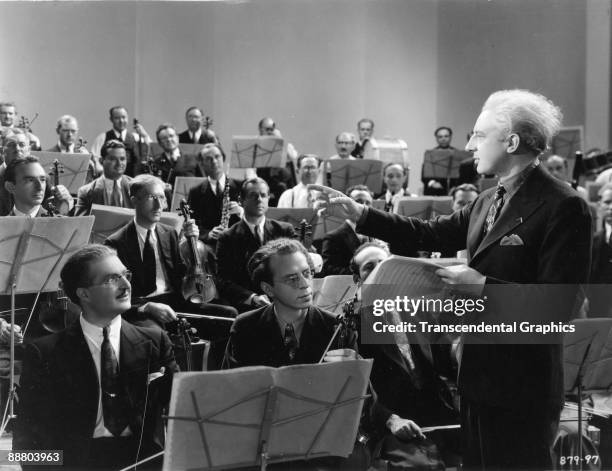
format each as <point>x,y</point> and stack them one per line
<point>182,187</point>
<point>587,362</point>
<point>109,219</point>
<point>335,291</point>
<point>258,152</point>
<point>260,415</point>
<point>75,168</point>
<point>345,173</point>
<point>443,164</point>
<point>32,253</point>
<point>425,207</point>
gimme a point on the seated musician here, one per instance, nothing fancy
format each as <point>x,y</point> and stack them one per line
<point>133,141</point>
<point>87,390</point>
<point>171,163</point>
<point>558,167</point>
<point>299,196</point>
<point>15,145</point>
<point>8,116</point>
<point>206,199</point>
<point>340,244</point>
<point>395,177</point>
<point>292,330</point>
<point>150,250</point>
<point>68,132</point>
<point>112,188</point>
<point>345,144</point>
<point>409,377</point>
<point>365,130</point>
<point>195,132</point>
<point>440,186</point>
<point>236,245</point>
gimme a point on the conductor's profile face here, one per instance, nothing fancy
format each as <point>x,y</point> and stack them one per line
<point>149,203</point>
<point>291,280</point>
<point>7,116</point>
<point>119,119</point>
<point>30,184</point>
<point>489,144</point>
<point>256,199</point>
<point>108,291</point>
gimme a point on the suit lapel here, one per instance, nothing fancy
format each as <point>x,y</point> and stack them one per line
<point>125,188</point>
<point>135,353</point>
<point>163,243</point>
<point>98,195</point>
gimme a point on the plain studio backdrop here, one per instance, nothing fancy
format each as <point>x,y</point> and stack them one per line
<point>315,66</point>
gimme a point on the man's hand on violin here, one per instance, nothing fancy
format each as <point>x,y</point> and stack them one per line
<point>5,333</point>
<point>62,199</point>
<point>159,312</point>
<point>190,229</point>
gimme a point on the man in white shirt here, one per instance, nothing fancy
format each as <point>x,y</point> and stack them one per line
<point>8,115</point>
<point>395,177</point>
<point>136,143</point>
<point>196,132</point>
<point>110,189</point>
<point>365,129</point>
<point>300,196</point>
<point>87,390</point>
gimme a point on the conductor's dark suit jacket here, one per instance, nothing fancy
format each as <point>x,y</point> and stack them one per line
<point>58,394</point>
<point>234,249</point>
<point>207,207</point>
<point>554,224</point>
<point>125,242</point>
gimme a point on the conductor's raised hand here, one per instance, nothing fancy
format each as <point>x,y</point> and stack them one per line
<point>335,203</point>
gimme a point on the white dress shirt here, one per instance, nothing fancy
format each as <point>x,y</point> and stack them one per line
<point>297,197</point>
<point>96,147</point>
<point>94,338</point>
<point>160,277</point>
<point>213,183</point>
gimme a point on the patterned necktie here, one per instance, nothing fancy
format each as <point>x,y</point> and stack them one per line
<point>114,408</point>
<point>495,208</point>
<point>116,195</point>
<point>148,263</point>
<point>290,341</point>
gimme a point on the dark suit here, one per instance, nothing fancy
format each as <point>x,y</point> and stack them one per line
<point>185,138</point>
<point>522,383</point>
<point>59,389</point>
<point>234,249</point>
<point>598,291</point>
<point>95,193</point>
<point>339,246</point>
<point>185,166</point>
<point>207,207</point>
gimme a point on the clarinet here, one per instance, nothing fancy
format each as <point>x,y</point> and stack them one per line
<point>225,215</point>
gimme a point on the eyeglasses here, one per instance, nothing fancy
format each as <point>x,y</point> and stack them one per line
<point>113,280</point>
<point>150,198</point>
<point>293,280</point>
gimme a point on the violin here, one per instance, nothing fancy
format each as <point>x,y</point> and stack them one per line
<point>26,125</point>
<point>198,286</point>
<point>182,338</point>
<point>56,169</point>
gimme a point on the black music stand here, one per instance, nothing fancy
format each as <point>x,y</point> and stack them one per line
<point>345,173</point>
<point>588,362</point>
<point>32,253</point>
<point>259,415</point>
<point>443,164</point>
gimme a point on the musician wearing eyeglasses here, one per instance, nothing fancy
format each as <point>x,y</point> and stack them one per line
<point>15,145</point>
<point>95,390</point>
<point>112,188</point>
<point>365,130</point>
<point>196,133</point>
<point>8,119</point>
<point>150,250</point>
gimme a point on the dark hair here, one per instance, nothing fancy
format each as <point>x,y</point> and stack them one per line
<point>390,164</point>
<point>207,147</point>
<point>450,131</point>
<point>112,144</point>
<point>259,264</point>
<point>75,272</point>
<point>116,107</point>
<point>353,264</point>
<point>191,108</point>
<point>463,187</point>
<point>11,169</point>
<point>163,127</point>
<point>251,181</point>
<point>350,189</point>
<point>307,156</point>
<point>365,120</point>
<point>140,181</point>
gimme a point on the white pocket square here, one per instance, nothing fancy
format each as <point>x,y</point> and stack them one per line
<point>511,240</point>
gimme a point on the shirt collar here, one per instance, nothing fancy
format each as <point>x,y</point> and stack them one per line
<point>252,226</point>
<point>297,323</point>
<point>120,135</point>
<point>213,182</point>
<point>142,232</point>
<point>109,182</point>
<point>62,148</point>
<point>196,134</point>
<point>174,155</point>
<point>513,183</point>
<point>93,331</point>
<point>31,214</point>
